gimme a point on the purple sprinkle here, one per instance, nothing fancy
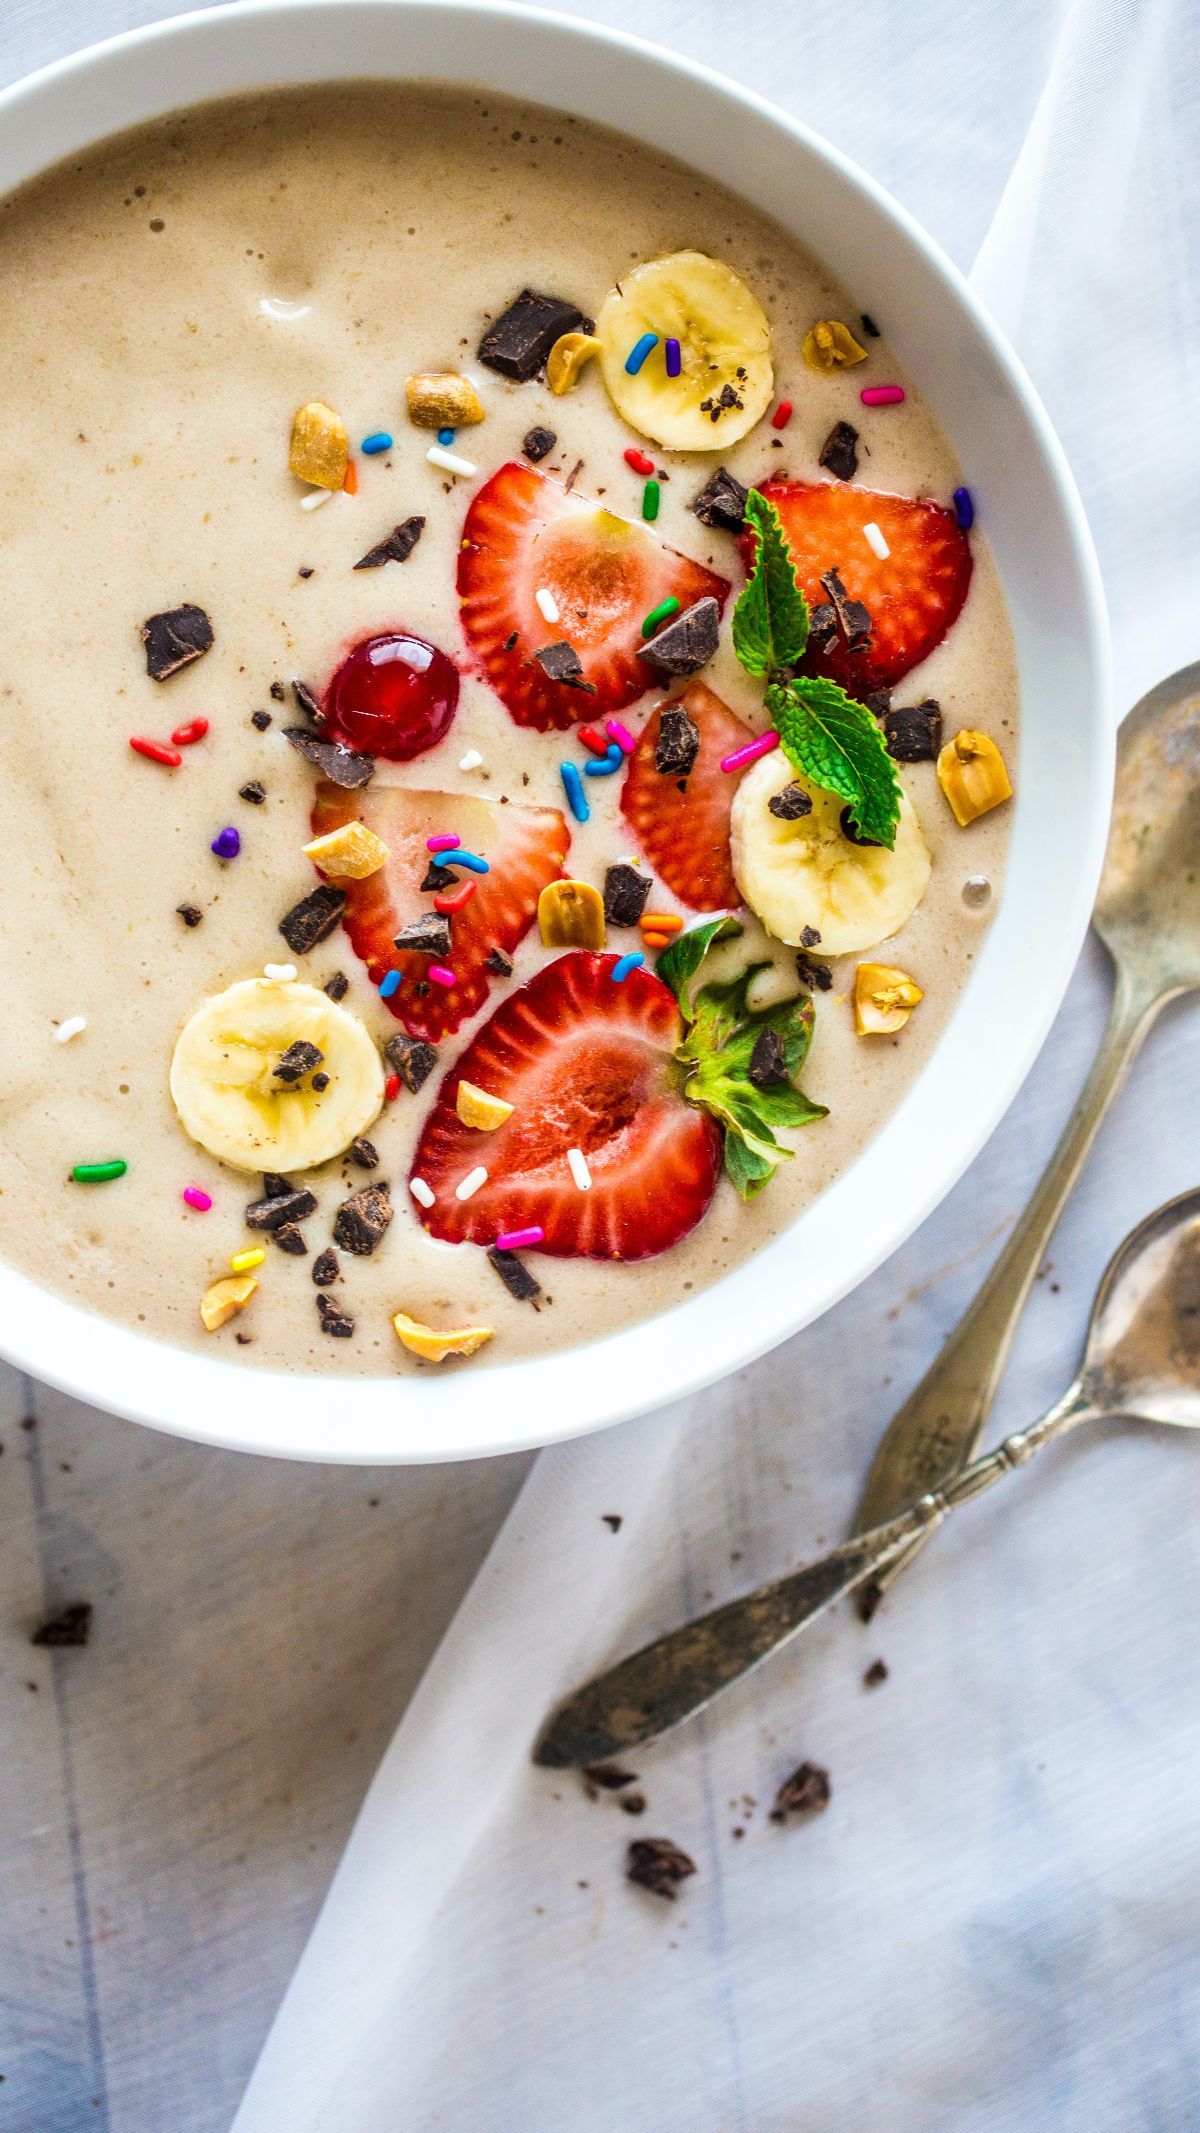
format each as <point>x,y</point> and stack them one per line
<point>674,357</point>
<point>964,508</point>
<point>226,844</point>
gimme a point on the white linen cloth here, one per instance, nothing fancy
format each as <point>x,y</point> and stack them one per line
<point>993,1925</point>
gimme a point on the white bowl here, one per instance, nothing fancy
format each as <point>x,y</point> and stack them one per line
<point>1036,527</point>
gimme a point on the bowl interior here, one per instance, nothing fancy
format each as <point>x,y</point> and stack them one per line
<point>1036,529</point>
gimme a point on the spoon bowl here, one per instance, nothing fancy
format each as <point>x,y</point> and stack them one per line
<point>1143,1348</point>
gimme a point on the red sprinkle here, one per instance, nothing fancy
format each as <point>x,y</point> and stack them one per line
<point>782,415</point>
<point>454,899</point>
<point>391,1088</point>
<point>156,751</point>
<point>638,461</point>
<point>183,736</point>
<point>591,738</point>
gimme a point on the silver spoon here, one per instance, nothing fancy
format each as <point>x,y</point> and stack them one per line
<point>1141,1364</point>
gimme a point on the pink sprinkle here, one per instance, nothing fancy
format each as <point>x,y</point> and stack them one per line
<point>621,735</point>
<point>439,972</point>
<point>515,1240</point>
<point>881,395</point>
<point>201,1201</point>
<point>441,844</point>
<point>751,752</point>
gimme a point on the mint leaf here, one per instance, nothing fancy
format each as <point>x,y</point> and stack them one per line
<point>770,621</point>
<point>678,964</point>
<point>835,743</point>
<point>716,1055</point>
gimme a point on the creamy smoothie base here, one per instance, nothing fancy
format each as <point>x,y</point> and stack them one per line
<point>172,298</point>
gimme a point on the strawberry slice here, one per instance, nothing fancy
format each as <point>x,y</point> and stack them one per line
<point>526,534</point>
<point>525,848</point>
<point>913,595</point>
<point>682,827</point>
<point>586,1064</point>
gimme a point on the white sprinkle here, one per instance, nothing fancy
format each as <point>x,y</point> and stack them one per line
<point>578,1168</point>
<point>471,760</point>
<point>73,1027</point>
<point>315,498</point>
<point>438,456</point>
<point>420,1192</point>
<point>284,973</point>
<point>547,604</point>
<point>471,1183</point>
<point>875,541</point>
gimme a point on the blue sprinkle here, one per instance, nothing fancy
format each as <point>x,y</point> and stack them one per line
<point>389,985</point>
<point>573,787</point>
<point>470,860</point>
<point>964,508</point>
<point>226,844</point>
<point>445,436</point>
<point>673,356</point>
<point>378,441</point>
<point>622,967</point>
<point>603,766</point>
<point>638,353</point>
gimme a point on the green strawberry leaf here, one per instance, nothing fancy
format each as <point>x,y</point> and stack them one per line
<point>716,1056</point>
<point>678,964</point>
<point>770,621</point>
<point>835,743</point>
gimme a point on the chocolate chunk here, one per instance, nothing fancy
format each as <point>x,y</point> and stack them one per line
<point>521,338</point>
<point>854,619</point>
<point>875,1675</point>
<point>805,1792</point>
<point>437,877</point>
<point>687,642</point>
<point>678,742</point>
<point>537,443</point>
<point>411,1058</point>
<point>823,626</point>
<point>632,1803</point>
<point>191,914</point>
<point>320,1081</point>
<point>261,720</point>
<point>276,1208</point>
<point>306,571</point>
<point>516,1277</point>
<point>299,1059</point>
<point>719,404</point>
<point>364,1153</point>
<point>721,502</point>
<point>361,1220</point>
<point>337,1323</point>
<point>869,327</point>
<point>313,918</point>
<point>341,765</point>
<point>274,1183</point>
<point>509,642</point>
<point>427,935</point>
<point>838,455</point>
<point>72,1627</point>
<point>498,963</point>
<point>791,804</point>
<point>853,836</point>
<point>625,893</point>
<point>878,702</point>
<point>253,792</point>
<point>174,638</point>
<point>817,976</point>
<point>561,662</point>
<point>768,1060</point>
<point>809,937</point>
<point>337,986</point>
<point>325,1268</point>
<point>609,1776</point>
<point>309,702</point>
<point>913,732</point>
<point>291,1240</point>
<point>277,691</point>
<point>658,1865</point>
<point>397,548</point>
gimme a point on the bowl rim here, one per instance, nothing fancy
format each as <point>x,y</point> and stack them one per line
<point>550,1399</point>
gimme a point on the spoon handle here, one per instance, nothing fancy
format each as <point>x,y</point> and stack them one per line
<point>676,1676</point>
<point>939,1426</point>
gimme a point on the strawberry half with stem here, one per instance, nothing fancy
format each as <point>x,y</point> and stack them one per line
<point>525,848</point>
<point>586,1064</point>
<point>525,534</point>
<point>913,595</point>
<point>682,825</point>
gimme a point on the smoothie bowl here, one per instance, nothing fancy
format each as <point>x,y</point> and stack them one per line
<point>557,733</point>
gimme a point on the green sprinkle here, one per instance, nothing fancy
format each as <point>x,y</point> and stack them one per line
<point>665,608</point>
<point>98,1173</point>
<point>650,496</point>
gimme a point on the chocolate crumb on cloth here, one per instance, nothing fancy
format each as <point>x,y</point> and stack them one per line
<point>632,1803</point>
<point>613,1520</point>
<point>806,1792</point>
<point>71,1627</point>
<point>876,1674</point>
<point>362,1220</point>
<point>609,1777</point>
<point>656,1864</point>
<point>678,742</point>
<point>721,502</point>
<point>337,1323</point>
<point>411,1058</point>
<point>313,919</point>
<point>343,766</point>
<point>515,1275</point>
<point>174,638</point>
<point>838,455</point>
<point>395,548</point>
<point>519,341</point>
<point>687,642</point>
<point>913,732</point>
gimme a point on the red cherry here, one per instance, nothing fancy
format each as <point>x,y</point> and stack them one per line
<point>393,696</point>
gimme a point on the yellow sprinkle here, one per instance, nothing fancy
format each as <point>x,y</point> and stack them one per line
<point>242,1262</point>
<point>477,1108</point>
<point>571,915</point>
<point>350,853</point>
<point>831,346</point>
<point>566,359</point>
<point>320,450</point>
<point>224,1298</point>
<point>435,1347</point>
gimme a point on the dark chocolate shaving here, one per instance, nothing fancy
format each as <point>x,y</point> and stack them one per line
<point>276,1208</point>
<point>338,985</point>
<point>869,327</point>
<point>260,720</point>
<point>437,877</point>
<point>876,1674</point>
<point>521,338</point>
<point>658,1865</point>
<point>396,548</point>
<point>364,1152</point>
<point>678,742</point>
<point>290,1240</point>
<point>538,443</point>
<point>913,732</point>
<point>625,893</point>
<point>309,702</point>
<point>313,919</point>
<point>515,1275</point>
<point>817,976</point>
<point>427,935</point>
<point>325,1268</point>
<point>721,502</point>
<point>498,963</point>
<point>809,937</point>
<point>73,1626</point>
<point>174,638</point>
<point>411,1058</point>
<point>277,691</point>
<point>561,662</point>
<point>609,1776</point>
<point>806,1792</point>
<point>361,1220</point>
<point>823,626</point>
<point>320,1081</point>
<point>791,804</point>
<point>341,765</point>
<point>687,642</point>
<point>854,620</point>
<point>719,404</point>
<point>299,1059</point>
<point>838,455</point>
<point>254,793</point>
<point>191,914</point>
<point>337,1323</point>
<point>854,836</point>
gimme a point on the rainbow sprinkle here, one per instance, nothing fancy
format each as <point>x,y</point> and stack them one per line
<point>638,353</point>
<point>621,734</point>
<point>604,765</point>
<point>226,844</point>
<point>964,508</point>
<point>446,437</point>
<point>650,501</point>
<point>420,1192</point>
<point>661,613</point>
<point>518,1240</point>
<point>624,964</point>
<point>445,843</point>
<point>577,1165</point>
<point>74,1026</point>
<point>441,974</point>
<point>751,752</point>
<point>99,1173</point>
<point>881,395</point>
<point>468,1186</point>
<point>389,984</point>
<point>242,1262</point>
<point>672,356</point>
<point>573,787</point>
<point>378,441</point>
<point>194,1197</point>
<point>456,857</point>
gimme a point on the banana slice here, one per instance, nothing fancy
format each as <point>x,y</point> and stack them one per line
<point>804,872</point>
<point>725,378</point>
<point>232,1100</point>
